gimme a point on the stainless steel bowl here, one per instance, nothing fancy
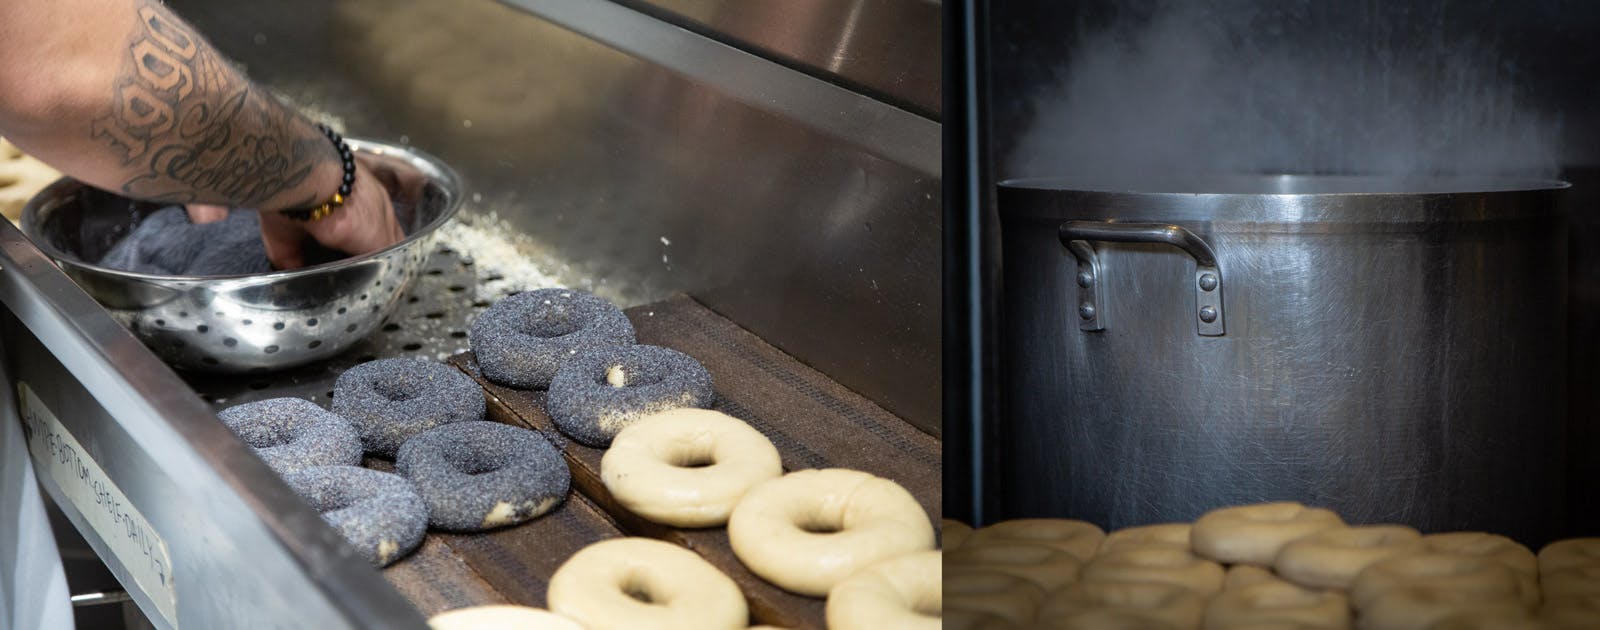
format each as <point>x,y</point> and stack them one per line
<point>249,323</point>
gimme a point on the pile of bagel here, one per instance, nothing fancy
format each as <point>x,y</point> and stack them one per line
<point>1271,565</point>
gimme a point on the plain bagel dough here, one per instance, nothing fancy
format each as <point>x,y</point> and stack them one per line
<point>1478,577</point>
<point>1421,606</point>
<point>628,583</point>
<point>1275,601</point>
<point>1253,534</point>
<point>953,533</point>
<point>976,593</point>
<point>1332,558</point>
<point>1079,538</point>
<point>1164,534</point>
<point>1156,564</point>
<point>21,177</point>
<point>1118,604</point>
<point>901,592</point>
<point>501,618</point>
<point>1048,567</point>
<point>687,467</point>
<point>807,530</point>
<point>1569,553</point>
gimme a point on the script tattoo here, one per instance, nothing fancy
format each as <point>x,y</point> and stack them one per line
<point>193,128</point>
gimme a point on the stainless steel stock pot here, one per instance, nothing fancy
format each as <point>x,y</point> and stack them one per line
<point>1390,348</point>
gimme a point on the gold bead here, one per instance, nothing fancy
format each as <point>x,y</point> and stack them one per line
<point>338,200</point>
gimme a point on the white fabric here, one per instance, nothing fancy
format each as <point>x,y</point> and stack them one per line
<point>33,585</point>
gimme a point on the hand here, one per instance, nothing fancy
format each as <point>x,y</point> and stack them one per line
<point>202,213</point>
<point>364,224</point>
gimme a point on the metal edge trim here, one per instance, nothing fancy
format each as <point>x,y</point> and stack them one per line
<point>883,129</point>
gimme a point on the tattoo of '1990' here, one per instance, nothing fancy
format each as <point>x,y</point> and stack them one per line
<point>194,129</point>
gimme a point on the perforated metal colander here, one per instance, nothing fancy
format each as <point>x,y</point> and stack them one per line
<point>249,323</point>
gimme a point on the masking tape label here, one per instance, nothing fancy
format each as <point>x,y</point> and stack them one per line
<point>130,537</point>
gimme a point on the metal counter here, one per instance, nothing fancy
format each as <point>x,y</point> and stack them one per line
<point>642,158</point>
<point>655,159</point>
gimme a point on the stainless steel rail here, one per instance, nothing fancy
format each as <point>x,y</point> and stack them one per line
<point>208,536</point>
<point>888,48</point>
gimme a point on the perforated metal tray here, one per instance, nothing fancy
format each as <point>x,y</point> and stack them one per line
<point>431,323</point>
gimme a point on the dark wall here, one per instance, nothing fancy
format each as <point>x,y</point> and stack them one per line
<point>1548,51</point>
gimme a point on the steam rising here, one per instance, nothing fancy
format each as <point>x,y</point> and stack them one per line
<point>1275,89</point>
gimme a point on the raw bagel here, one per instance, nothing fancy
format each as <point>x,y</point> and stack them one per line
<point>1581,581</point>
<point>687,467</point>
<point>1048,567</point>
<point>501,618</point>
<point>952,533</point>
<point>1498,618</point>
<point>1110,619</point>
<point>1572,552</point>
<point>390,400</point>
<point>1478,577</point>
<point>1242,575</point>
<point>807,530</point>
<point>21,177</point>
<point>1253,534</point>
<point>1277,602</point>
<point>1156,564</point>
<point>1007,597</point>
<point>901,592</point>
<point>1160,605</point>
<point>629,583</point>
<point>1078,538</point>
<point>1332,558</point>
<point>1479,544</point>
<point>290,433</point>
<point>1493,547</point>
<point>1422,605</point>
<point>601,391</point>
<point>1570,612</point>
<point>1165,534</point>
<point>963,619</point>
<point>378,513</point>
<point>524,339</point>
<point>482,475</point>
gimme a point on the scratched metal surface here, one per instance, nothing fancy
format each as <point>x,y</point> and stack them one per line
<point>1399,359</point>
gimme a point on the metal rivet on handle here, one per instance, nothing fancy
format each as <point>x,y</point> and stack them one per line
<point>1086,311</point>
<point>1208,314</point>
<point>1208,282</point>
<point>1085,278</point>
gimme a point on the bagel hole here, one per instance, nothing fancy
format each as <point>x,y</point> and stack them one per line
<point>268,439</point>
<point>471,464</point>
<point>635,587</point>
<point>694,459</point>
<point>395,391</point>
<point>815,525</point>
<point>549,328</point>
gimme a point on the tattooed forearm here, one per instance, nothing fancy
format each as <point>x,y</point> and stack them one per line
<point>192,128</point>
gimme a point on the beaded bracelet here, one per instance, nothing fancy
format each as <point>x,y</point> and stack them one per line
<point>348,161</point>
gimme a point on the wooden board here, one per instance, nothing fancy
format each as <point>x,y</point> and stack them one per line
<point>814,422</point>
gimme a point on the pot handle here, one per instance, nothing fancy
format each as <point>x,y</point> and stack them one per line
<point>1075,235</point>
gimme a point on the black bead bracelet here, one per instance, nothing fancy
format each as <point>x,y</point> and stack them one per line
<point>347,160</point>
